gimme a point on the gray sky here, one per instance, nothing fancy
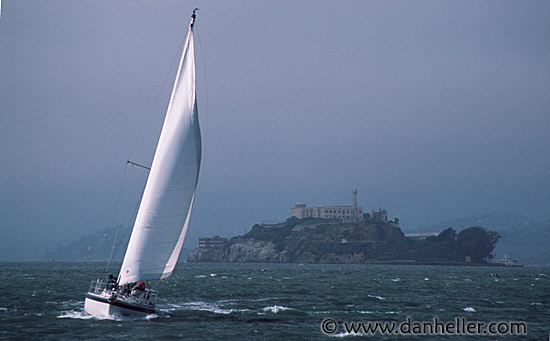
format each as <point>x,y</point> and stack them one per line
<point>433,109</point>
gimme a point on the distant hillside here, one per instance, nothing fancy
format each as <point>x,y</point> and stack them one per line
<point>93,247</point>
<point>96,247</point>
<point>521,237</point>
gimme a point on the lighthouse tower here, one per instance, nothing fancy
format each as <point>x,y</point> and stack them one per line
<point>354,202</point>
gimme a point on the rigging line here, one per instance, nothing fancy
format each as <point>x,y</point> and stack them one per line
<point>156,99</point>
<point>115,214</point>
<point>205,91</point>
<point>131,221</point>
<point>157,284</point>
<point>137,164</point>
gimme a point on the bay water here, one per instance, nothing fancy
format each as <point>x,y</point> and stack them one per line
<point>208,301</point>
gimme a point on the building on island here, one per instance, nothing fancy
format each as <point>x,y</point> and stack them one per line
<point>352,213</point>
<point>212,243</point>
<point>380,215</point>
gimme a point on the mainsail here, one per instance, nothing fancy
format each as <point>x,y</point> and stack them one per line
<point>165,209</point>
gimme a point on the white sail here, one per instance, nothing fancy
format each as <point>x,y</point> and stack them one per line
<point>165,209</point>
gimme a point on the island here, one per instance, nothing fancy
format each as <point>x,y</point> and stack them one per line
<point>372,239</point>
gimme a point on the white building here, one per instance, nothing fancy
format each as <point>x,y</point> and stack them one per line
<point>353,212</point>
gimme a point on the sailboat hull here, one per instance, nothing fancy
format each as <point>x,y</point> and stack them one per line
<point>102,306</point>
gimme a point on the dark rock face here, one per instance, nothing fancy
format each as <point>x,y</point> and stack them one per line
<point>239,251</point>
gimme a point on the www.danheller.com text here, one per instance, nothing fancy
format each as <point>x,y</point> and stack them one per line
<point>458,326</point>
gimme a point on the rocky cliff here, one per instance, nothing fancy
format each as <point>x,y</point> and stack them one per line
<point>239,251</point>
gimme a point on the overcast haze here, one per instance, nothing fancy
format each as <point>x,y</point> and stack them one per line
<point>432,109</point>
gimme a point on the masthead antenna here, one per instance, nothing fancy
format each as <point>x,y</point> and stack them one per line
<point>193,17</point>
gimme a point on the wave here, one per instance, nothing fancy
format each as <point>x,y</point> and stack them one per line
<point>469,309</point>
<point>81,315</point>
<point>379,312</point>
<point>377,297</point>
<point>345,334</point>
<point>276,308</point>
<point>205,306</point>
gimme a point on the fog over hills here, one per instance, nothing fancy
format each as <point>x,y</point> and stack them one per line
<point>96,247</point>
<point>93,247</point>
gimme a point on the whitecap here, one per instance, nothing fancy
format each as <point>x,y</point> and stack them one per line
<point>535,303</point>
<point>205,306</point>
<point>377,297</point>
<point>213,275</point>
<point>276,308</point>
<point>3,309</point>
<point>200,276</point>
<point>396,279</point>
<point>80,315</point>
<point>347,334</point>
<point>469,309</point>
<point>73,314</point>
<point>426,279</point>
<point>365,312</point>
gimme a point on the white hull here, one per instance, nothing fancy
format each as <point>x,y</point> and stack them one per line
<point>99,306</point>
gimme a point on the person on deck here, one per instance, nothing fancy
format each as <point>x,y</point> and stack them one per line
<point>139,288</point>
<point>111,283</point>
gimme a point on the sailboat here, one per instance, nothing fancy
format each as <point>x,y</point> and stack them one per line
<point>165,209</point>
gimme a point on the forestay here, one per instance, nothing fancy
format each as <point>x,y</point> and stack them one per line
<point>165,209</point>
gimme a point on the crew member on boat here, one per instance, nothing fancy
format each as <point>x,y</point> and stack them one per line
<point>111,283</point>
<point>139,288</point>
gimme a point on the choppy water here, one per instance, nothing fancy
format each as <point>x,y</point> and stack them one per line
<point>273,301</point>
